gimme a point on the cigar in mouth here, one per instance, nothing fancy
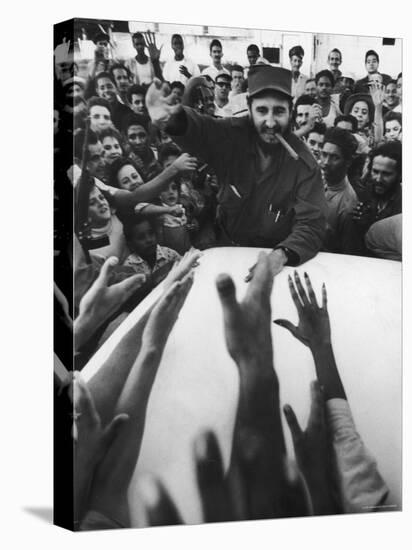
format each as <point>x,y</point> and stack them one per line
<point>286,145</point>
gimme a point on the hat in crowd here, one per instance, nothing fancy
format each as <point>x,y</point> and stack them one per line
<point>223,74</point>
<point>266,77</point>
<point>344,139</point>
<point>75,80</point>
<point>101,37</point>
<point>354,98</point>
<point>296,50</point>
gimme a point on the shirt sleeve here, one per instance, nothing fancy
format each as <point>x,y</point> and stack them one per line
<point>361,485</point>
<point>309,228</point>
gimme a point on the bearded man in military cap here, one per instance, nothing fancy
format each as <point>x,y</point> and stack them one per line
<point>271,193</point>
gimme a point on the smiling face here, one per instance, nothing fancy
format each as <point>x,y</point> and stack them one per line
<point>128,178</point>
<point>334,61</point>
<point>314,142</point>
<point>111,149</point>
<point>216,54</point>
<point>302,115</point>
<point>106,89</point>
<point>384,175</point>
<point>270,114</point>
<point>99,210</point>
<point>100,118</point>
<point>295,63</point>
<point>391,96</point>
<point>361,112</point>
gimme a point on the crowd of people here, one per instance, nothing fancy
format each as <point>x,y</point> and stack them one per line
<point>166,160</point>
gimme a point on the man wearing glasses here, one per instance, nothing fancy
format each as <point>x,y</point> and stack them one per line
<point>222,88</point>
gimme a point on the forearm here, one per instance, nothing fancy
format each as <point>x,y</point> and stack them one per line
<point>378,121</point>
<point>154,210</point>
<point>107,384</point>
<point>157,69</point>
<point>327,371</point>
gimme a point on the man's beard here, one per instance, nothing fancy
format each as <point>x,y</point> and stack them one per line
<point>268,148</point>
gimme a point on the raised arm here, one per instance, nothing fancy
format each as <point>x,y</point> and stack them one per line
<point>258,442</point>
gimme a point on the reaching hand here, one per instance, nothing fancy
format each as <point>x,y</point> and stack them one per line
<point>184,71</point>
<point>185,163</point>
<point>377,92</point>
<point>312,450</point>
<point>92,441</point>
<point>247,325</point>
<point>150,41</point>
<point>165,313</point>
<point>102,300</point>
<point>177,211</point>
<point>362,213</point>
<point>314,326</point>
<point>160,102</point>
<point>188,262</point>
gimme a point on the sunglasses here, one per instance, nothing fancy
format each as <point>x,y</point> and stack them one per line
<point>223,84</point>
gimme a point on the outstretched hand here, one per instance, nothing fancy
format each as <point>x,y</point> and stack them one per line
<point>312,450</point>
<point>377,92</point>
<point>102,300</point>
<point>93,441</point>
<point>314,325</point>
<point>247,323</point>
<point>150,42</point>
<point>160,102</point>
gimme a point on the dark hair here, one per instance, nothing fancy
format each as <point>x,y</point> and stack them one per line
<point>177,84</point>
<point>93,101</point>
<point>318,128</point>
<point>399,76</point>
<point>371,52</point>
<point>238,68</point>
<point>115,168</point>
<point>137,35</point>
<point>101,37</point>
<point>392,150</point>
<point>176,36</point>
<point>336,50</point>
<point>168,150</point>
<point>325,73</point>
<point>135,89</point>
<point>347,118</point>
<point>296,50</point>
<point>392,81</point>
<point>310,80</point>
<point>120,66</point>
<point>393,116</point>
<point>215,42</point>
<point>133,119</point>
<point>104,74</point>
<point>79,143</point>
<point>131,222</point>
<point>304,99</point>
<point>344,139</point>
<point>111,132</point>
<point>253,47</point>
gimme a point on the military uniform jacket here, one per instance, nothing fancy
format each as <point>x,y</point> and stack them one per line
<point>282,206</point>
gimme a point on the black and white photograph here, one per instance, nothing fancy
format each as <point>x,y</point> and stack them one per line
<point>227,265</point>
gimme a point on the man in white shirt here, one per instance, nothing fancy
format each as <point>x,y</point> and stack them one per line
<point>298,79</point>
<point>216,53</point>
<point>222,89</point>
<point>180,68</point>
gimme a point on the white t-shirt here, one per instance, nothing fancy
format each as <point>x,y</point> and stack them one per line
<point>143,73</point>
<point>171,71</point>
